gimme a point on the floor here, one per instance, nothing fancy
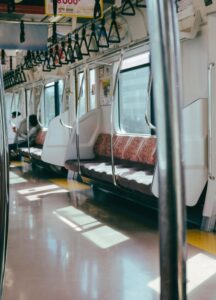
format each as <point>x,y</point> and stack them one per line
<point>64,244</point>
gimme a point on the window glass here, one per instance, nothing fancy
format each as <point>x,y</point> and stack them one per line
<point>133,84</point>
<point>28,104</point>
<point>82,100</point>
<point>15,106</point>
<point>61,89</point>
<point>92,89</point>
<point>49,103</point>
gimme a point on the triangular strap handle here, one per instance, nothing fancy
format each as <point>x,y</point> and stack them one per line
<point>103,36</point>
<point>113,36</point>
<point>93,42</point>
<point>128,8</point>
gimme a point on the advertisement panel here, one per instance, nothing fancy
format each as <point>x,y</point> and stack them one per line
<point>73,8</point>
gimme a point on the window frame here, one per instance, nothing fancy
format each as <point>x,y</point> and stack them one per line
<point>89,89</point>
<point>85,91</point>
<point>152,116</point>
<point>57,105</point>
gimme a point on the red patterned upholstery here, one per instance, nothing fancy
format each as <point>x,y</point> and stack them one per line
<point>119,146</point>
<point>132,149</point>
<point>136,149</point>
<point>147,151</point>
<point>102,146</point>
<point>40,138</point>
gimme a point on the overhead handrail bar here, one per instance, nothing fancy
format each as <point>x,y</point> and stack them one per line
<point>37,83</point>
<point>62,102</point>
<point>77,120</point>
<point>165,54</point>
<point>4,185</point>
<point>148,122</point>
<point>210,100</point>
<point>112,114</point>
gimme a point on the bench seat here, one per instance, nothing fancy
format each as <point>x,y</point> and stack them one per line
<point>138,178</point>
<point>36,151</point>
<point>134,157</point>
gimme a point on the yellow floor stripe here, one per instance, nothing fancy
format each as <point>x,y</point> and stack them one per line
<point>16,164</point>
<point>202,240</point>
<point>71,185</point>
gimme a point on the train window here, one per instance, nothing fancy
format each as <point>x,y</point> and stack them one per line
<point>92,89</point>
<point>82,104</point>
<point>27,100</point>
<point>15,104</point>
<point>133,84</point>
<point>49,103</point>
<point>61,89</point>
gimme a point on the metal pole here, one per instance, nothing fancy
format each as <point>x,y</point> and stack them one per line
<point>165,53</point>
<point>4,186</point>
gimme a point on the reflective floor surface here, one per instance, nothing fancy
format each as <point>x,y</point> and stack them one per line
<point>64,244</point>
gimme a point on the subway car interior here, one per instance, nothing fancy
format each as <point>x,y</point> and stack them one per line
<point>107,150</point>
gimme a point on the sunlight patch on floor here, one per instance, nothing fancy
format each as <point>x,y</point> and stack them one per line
<point>199,269</point>
<point>37,197</point>
<point>77,217</point>
<point>71,185</point>
<point>91,228</point>
<point>37,189</point>
<point>15,179</point>
<point>202,240</point>
<point>105,237</point>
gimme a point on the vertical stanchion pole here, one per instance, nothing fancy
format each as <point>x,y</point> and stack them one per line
<point>4,185</point>
<point>165,54</point>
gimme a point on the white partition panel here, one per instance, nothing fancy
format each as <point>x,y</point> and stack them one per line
<point>195,151</point>
<point>89,128</point>
<point>55,146</point>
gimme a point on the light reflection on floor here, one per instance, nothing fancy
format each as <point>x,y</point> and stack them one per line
<point>37,197</point>
<point>95,231</point>
<point>199,268</point>
<point>15,179</point>
<point>38,189</point>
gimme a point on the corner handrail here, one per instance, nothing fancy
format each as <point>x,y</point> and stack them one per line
<point>112,114</point>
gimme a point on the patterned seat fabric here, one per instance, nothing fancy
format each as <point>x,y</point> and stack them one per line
<point>40,138</point>
<point>102,146</point>
<point>35,151</point>
<point>136,149</point>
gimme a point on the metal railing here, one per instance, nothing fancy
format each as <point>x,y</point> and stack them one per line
<point>4,186</point>
<point>165,54</point>
<point>114,89</point>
